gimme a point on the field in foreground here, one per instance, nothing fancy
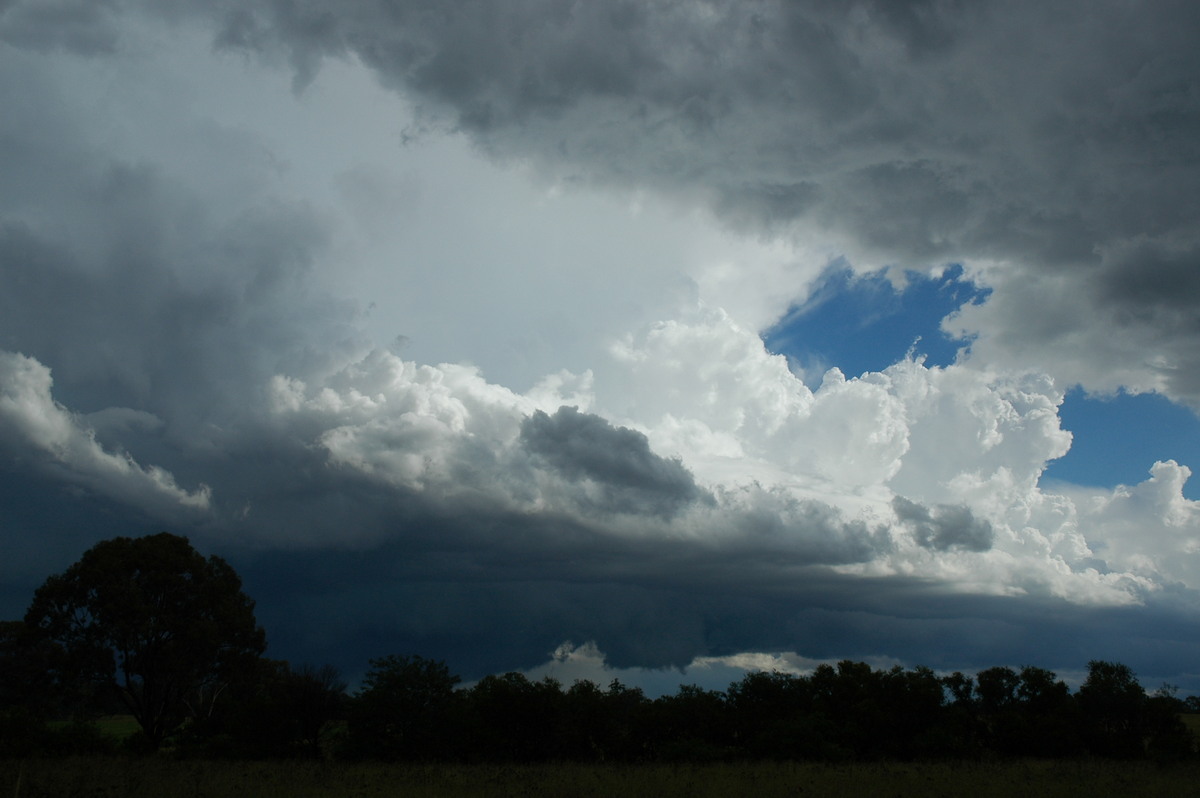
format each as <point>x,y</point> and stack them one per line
<point>164,777</point>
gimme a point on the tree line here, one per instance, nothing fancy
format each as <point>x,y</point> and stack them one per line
<point>149,628</point>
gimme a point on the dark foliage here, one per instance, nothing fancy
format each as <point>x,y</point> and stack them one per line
<point>1029,713</point>
<point>692,725</point>
<point>511,719</point>
<point>273,711</point>
<point>1121,721</point>
<point>601,725</point>
<point>26,680</point>
<point>147,623</point>
<point>765,708</point>
<point>844,712</point>
<point>407,710</point>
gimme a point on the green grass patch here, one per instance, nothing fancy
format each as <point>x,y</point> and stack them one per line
<point>1192,721</point>
<point>119,727</point>
<point>132,777</point>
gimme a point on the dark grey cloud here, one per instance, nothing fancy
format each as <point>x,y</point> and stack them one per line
<point>633,479</point>
<point>868,102</point>
<point>160,296</point>
<point>1164,280</point>
<point>914,133</point>
<point>343,606</point>
<point>85,27</point>
<point>139,285</point>
<point>944,527</point>
<point>163,343</point>
<point>778,532</point>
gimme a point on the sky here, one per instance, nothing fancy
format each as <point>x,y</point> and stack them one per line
<point>662,340</point>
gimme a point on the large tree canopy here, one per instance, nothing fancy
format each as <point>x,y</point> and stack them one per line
<point>151,621</point>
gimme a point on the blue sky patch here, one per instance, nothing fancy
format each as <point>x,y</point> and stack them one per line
<point>860,323</point>
<point>1118,438</point>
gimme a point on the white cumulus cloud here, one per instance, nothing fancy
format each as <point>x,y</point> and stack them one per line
<point>40,432</point>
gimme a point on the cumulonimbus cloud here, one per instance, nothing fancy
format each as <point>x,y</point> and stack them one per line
<point>686,492</point>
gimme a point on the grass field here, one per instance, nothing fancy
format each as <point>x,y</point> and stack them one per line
<point>118,726</point>
<point>158,777</point>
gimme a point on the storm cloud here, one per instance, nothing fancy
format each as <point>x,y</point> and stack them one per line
<point>586,447</point>
<point>944,527</point>
<point>1030,144</point>
<point>443,321</point>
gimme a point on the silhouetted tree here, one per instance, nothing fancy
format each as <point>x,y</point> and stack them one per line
<point>601,725</point>
<point>691,725</point>
<point>406,710</point>
<point>962,724</point>
<point>587,730</point>
<point>1167,736</point>
<point>999,711</point>
<point>961,689</point>
<point>514,719</point>
<point>1030,713</point>
<point>1047,714</point>
<point>625,708</point>
<point>150,622</point>
<point>1113,708</point>
<point>1120,720</point>
<point>909,709</point>
<point>997,689</point>
<point>772,716</point>
<point>845,697</point>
